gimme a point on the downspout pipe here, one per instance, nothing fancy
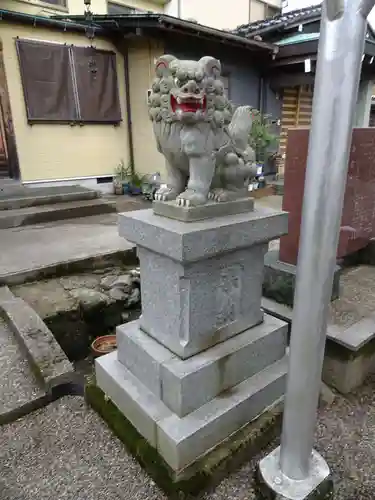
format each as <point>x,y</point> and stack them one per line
<point>129,111</point>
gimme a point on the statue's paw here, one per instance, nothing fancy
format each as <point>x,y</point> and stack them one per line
<point>191,198</point>
<point>218,195</point>
<point>166,193</point>
<point>221,195</point>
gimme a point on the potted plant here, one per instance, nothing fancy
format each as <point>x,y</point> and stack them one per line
<point>262,140</point>
<point>136,184</point>
<point>121,178</point>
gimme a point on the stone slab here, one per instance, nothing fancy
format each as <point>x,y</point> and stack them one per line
<point>190,308</point>
<point>142,355</point>
<point>20,391</point>
<point>37,341</point>
<point>346,370</point>
<point>212,209</point>
<point>352,338</point>
<point>53,212</point>
<point>142,408</point>
<point>185,385</point>
<point>350,351</point>
<point>32,197</point>
<point>280,311</point>
<point>280,277</point>
<point>203,239</point>
<point>182,441</point>
<point>36,252</point>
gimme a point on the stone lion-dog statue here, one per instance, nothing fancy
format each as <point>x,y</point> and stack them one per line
<point>205,143</point>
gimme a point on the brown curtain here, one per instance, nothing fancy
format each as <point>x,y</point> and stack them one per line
<point>97,87</point>
<point>47,81</point>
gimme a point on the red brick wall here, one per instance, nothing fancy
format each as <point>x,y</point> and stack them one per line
<point>358,220</point>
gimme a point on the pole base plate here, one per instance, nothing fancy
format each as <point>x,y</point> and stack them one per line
<point>274,485</point>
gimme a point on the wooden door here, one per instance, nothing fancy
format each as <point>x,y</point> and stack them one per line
<point>296,112</point>
<point>8,153</point>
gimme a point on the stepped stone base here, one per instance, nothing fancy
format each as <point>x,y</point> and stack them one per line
<point>203,361</point>
<point>186,407</point>
<point>280,277</point>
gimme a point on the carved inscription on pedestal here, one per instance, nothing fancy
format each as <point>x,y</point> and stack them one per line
<point>228,296</point>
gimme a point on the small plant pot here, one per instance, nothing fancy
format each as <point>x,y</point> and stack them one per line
<point>135,190</point>
<point>126,188</point>
<point>118,189</point>
<point>103,345</point>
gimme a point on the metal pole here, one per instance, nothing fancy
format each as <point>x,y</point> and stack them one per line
<point>341,47</point>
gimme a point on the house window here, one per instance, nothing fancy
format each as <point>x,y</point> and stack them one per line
<point>115,8</point>
<point>225,80</point>
<point>271,11</point>
<point>65,83</point>
<point>61,3</point>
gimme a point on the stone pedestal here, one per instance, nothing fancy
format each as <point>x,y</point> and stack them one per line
<point>280,279</point>
<point>203,360</point>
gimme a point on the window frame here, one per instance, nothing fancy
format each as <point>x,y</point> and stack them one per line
<point>128,9</point>
<point>271,11</point>
<point>225,78</point>
<point>56,3</point>
<point>75,100</point>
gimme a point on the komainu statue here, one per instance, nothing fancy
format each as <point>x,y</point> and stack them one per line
<point>204,142</point>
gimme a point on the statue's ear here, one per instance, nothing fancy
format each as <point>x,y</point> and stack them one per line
<point>211,66</point>
<point>162,65</point>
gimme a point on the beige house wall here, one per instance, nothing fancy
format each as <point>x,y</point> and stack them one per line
<point>100,6</point>
<point>216,14</point>
<point>55,151</point>
<point>77,7</point>
<point>220,15</point>
<point>142,57</point>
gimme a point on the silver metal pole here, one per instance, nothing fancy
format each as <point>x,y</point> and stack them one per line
<point>337,78</point>
<point>341,46</point>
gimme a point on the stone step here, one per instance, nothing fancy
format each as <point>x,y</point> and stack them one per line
<point>10,187</point>
<point>278,187</point>
<point>181,441</point>
<point>48,361</point>
<point>33,366</point>
<point>186,385</point>
<point>24,197</point>
<point>51,213</point>
<point>20,391</point>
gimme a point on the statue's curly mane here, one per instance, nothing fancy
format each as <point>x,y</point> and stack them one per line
<point>172,74</point>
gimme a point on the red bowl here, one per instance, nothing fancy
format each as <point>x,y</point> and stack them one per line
<point>104,345</point>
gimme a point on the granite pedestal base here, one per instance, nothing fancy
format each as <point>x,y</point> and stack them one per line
<point>184,408</point>
<point>201,282</point>
<point>203,360</point>
<point>280,277</point>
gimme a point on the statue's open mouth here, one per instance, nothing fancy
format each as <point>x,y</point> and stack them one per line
<point>188,104</point>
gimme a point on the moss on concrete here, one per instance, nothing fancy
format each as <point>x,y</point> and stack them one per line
<point>206,472</point>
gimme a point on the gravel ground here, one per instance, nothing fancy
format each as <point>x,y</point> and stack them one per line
<point>18,385</point>
<point>66,452</point>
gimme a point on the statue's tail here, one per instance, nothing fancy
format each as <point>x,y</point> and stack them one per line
<point>240,127</point>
